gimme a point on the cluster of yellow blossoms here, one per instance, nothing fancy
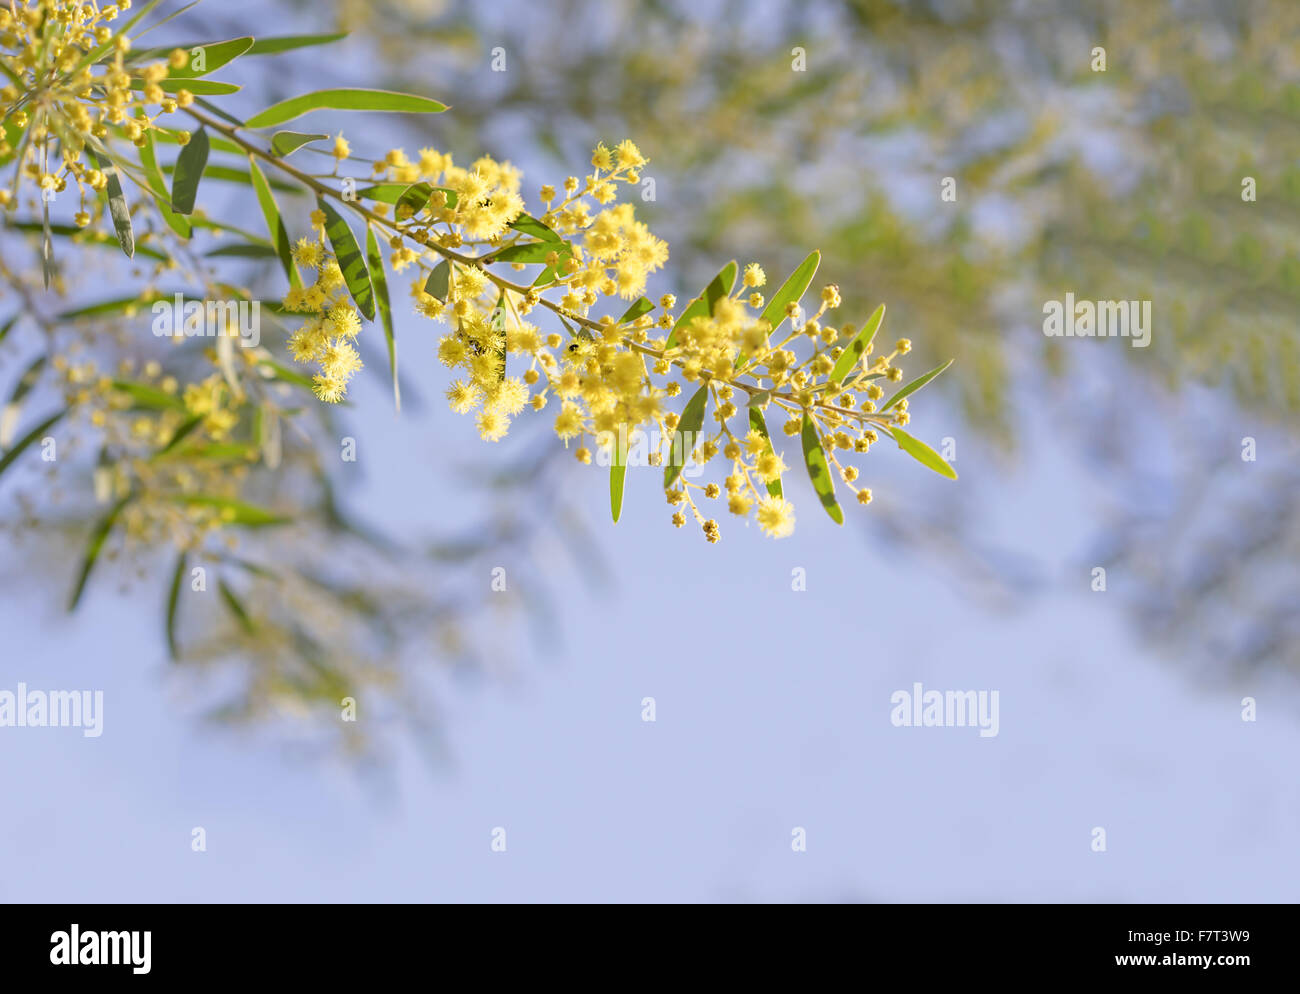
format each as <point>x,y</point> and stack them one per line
<point>611,376</point>
<point>326,337</point>
<point>53,92</point>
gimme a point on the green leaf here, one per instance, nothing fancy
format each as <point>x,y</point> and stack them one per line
<point>921,452</point>
<point>287,375</point>
<point>792,289</point>
<point>639,307</point>
<point>376,100</point>
<point>415,198</point>
<point>27,380</point>
<point>385,307</point>
<point>9,417</point>
<point>819,471</point>
<point>8,325</point>
<point>115,306</point>
<point>703,305</point>
<point>246,250</point>
<point>199,87</point>
<point>147,397</point>
<point>759,424</point>
<point>285,143</point>
<point>189,170</point>
<point>38,432</point>
<point>618,473</point>
<point>350,259</point>
<point>215,55</point>
<point>173,602</point>
<point>269,46</point>
<point>691,420</point>
<point>385,193</point>
<point>117,206</point>
<point>533,252</point>
<point>239,452</point>
<point>96,545</point>
<point>148,159</point>
<point>232,601</point>
<point>915,385</point>
<point>179,436</point>
<point>274,225</point>
<point>439,280</point>
<point>857,348</point>
<point>531,226</point>
<point>235,512</point>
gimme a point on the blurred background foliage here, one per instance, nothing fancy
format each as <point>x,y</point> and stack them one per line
<point>1113,185</point>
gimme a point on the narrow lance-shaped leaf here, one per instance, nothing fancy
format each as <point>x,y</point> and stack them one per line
<point>819,470</point>
<point>534,252</point>
<point>640,306</point>
<point>117,206</point>
<point>406,193</point>
<point>529,225</point>
<point>287,142</point>
<point>199,87</point>
<point>759,424</point>
<point>93,549</point>
<point>274,224</point>
<point>117,305</point>
<point>236,606</point>
<point>791,291</point>
<point>385,307</point>
<point>350,259</point>
<point>27,381</point>
<point>269,46</point>
<point>173,603</point>
<point>412,200</point>
<point>857,348</point>
<point>686,435</point>
<point>703,305</point>
<point>38,432</point>
<point>189,170</point>
<point>146,397</point>
<point>921,452</point>
<point>234,512</point>
<point>618,472</point>
<point>915,385</point>
<point>12,410</point>
<point>344,99</point>
<point>158,187</point>
<point>439,281</point>
<point>246,250</point>
<point>179,436</point>
<point>208,58</point>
